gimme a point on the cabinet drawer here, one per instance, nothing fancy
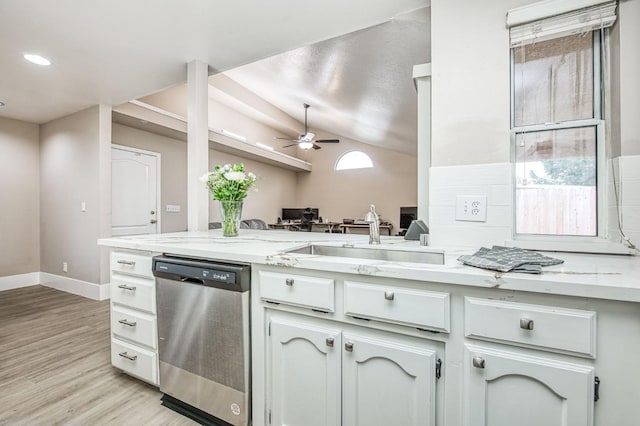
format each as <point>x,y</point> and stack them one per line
<point>299,290</point>
<point>557,329</point>
<point>416,308</point>
<point>133,292</point>
<point>134,325</point>
<point>134,360</point>
<point>131,263</point>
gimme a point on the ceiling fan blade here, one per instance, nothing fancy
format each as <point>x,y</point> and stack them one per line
<point>316,146</point>
<point>293,144</point>
<point>286,139</point>
<point>328,141</point>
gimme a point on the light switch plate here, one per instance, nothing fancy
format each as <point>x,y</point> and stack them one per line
<point>472,208</point>
<point>173,208</point>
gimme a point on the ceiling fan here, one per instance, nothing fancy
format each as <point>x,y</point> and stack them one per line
<point>305,140</point>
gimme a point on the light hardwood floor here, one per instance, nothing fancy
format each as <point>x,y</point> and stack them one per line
<point>55,365</point>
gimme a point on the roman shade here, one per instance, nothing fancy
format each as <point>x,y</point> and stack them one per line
<point>550,19</point>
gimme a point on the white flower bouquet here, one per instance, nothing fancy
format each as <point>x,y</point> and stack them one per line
<point>229,185</point>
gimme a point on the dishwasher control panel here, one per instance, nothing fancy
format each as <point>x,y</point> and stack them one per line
<point>208,273</point>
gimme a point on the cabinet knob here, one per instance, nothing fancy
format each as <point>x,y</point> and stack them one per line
<point>348,347</point>
<point>478,362</point>
<point>388,295</point>
<point>526,324</point>
<point>329,341</point>
<point>289,281</point>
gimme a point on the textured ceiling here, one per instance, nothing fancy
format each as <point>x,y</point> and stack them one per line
<point>359,85</point>
<point>113,51</point>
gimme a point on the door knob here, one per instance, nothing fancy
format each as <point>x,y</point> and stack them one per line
<point>152,212</point>
<point>153,221</point>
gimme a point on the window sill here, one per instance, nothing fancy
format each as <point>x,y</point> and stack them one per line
<point>599,246</point>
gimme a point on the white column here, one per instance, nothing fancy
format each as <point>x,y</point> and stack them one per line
<point>197,145</point>
<point>422,80</point>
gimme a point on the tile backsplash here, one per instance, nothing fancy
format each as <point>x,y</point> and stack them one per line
<point>494,181</point>
<point>446,183</point>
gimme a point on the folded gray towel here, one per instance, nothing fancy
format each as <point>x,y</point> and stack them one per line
<point>509,259</point>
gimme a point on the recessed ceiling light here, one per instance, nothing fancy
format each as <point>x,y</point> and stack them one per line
<point>37,59</point>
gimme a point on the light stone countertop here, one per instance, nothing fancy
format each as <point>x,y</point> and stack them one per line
<point>582,275</point>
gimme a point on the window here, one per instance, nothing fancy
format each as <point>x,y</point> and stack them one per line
<point>354,160</point>
<point>557,125</point>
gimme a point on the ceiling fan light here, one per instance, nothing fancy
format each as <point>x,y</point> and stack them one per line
<point>305,145</point>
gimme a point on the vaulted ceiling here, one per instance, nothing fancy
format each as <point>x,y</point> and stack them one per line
<point>112,51</point>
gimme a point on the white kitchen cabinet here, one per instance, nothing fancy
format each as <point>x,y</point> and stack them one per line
<point>324,373</point>
<point>509,387</point>
<point>134,334</point>
<point>505,385</point>
<point>305,374</point>
<point>386,382</point>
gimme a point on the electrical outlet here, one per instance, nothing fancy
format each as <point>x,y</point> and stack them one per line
<point>65,267</point>
<point>471,208</point>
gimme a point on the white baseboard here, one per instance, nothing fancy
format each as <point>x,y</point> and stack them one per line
<point>71,285</point>
<point>18,281</point>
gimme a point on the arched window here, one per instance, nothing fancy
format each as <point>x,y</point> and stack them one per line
<point>354,160</point>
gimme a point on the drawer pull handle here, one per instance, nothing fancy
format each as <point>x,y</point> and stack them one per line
<point>124,287</point>
<point>388,295</point>
<point>127,262</point>
<point>125,322</point>
<point>348,347</point>
<point>289,282</point>
<point>478,362</point>
<point>127,356</point>
<point>526,324</point>
<point>330,341</point>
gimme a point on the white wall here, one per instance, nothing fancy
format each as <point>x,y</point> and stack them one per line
<point>20,195</point>
<point>471,111</point>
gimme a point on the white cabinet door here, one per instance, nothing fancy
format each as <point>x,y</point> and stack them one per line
<point>507,387</point>
<point>304,383</point>
<point>387,383</point>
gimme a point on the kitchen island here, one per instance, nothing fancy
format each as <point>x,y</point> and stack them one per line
<point>368,341</point>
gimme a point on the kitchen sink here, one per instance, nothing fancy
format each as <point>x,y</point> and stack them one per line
<point>435,257</point>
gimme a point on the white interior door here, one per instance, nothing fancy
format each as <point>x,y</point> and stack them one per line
<point>134,191</point>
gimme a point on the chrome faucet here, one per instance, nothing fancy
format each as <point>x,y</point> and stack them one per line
<point>373,220</point>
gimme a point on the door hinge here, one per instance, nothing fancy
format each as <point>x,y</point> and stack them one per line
<point>269,329</point>
<point>438,368</point>
<point>596,388</point>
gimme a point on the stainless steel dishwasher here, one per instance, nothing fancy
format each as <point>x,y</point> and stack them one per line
<point>203,338</point>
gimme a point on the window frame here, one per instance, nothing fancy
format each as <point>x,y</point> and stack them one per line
<point>356,152</point>
<point>568,241</point>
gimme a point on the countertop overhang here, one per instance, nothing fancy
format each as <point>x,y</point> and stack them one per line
<point>612,277</point>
